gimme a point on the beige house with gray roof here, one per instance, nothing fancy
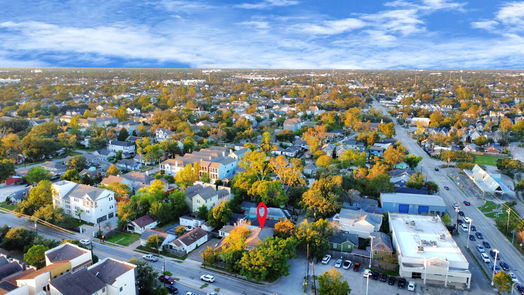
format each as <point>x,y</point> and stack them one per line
<point>205,194</point>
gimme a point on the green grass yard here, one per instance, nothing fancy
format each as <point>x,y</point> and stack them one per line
<point>7,206</point>
<point>124,239</point>
<point>487,159</point>
<point>489,206</point>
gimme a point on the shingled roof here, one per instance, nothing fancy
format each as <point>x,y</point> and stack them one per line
<point>66,252</point>
<point>82,282</point>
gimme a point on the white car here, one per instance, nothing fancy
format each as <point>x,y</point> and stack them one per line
<point>326,259</point>
<point>481,249</point>
<point>485,258</point>
<point>455,206</point>
<point>367,273</point>
<point>464,227</point>
<point>208,278</point>
<point>150,257</point>
<point>514,278</point>
<point>190,293</point>
<point>338,263</point>
<point>85,242</point>
<point>411,286</point>
<point>347,264</point>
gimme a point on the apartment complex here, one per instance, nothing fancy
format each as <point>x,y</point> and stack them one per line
<point>90,204</point>
<point>217,162</point>
<point>426,250</point>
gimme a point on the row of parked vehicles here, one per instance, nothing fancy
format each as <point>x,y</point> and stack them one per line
<point>169,283</point>
<point>374,275</point>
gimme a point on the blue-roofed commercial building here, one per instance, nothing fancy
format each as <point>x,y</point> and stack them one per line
<point>413,203</point>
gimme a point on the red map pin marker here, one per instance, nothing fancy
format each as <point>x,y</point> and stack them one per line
<point>261,214</point>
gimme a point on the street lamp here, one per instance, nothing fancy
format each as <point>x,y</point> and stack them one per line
<point>367,282</point>
<point>469,232</point>
<point>507,224</point>
<point>371,251</point>
<point>494,264</point>
<point>457,210</point>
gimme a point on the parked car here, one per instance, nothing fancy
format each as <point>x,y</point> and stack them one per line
<point>375,275</point>
<point>460,221</point>
<point>207,278</point>
<point>190,293</point>
<point>150,257</point>
<point>485,258</point>
<point>436,169</point>
<point>166,279</point>
<point>520,289</point>
<point>326,259</point>
<point>514,278</point>
<point>402,283</point>
<point>472,238</point>
<point>455,206</point>
<point>480,248</point>
<point>446,187</point>
<point>172,289</point>
<point>473,228</point>
<point>461,213</point>
<point>479,235</point>
<point>497,268</point>
<point>492,254</point>
<point>356,266</point>
<point>383,277</point>
<point>467,203</point>
<point>411,286</point>
<point>346,264</point>
<point>504,265</point>
<point>366,273</point>
<point>464,227</point>
<point>486,244</point>
<point>392,280</point>
<point>338,263</point>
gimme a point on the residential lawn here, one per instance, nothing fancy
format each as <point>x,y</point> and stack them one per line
<point>492,215</point>
<point>124,239</point>
<point>487,159</point>
<point>7,206</point>
<point>489,206</point>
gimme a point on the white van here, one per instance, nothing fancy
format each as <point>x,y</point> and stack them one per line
<point>411,286</point>
<point>464,227</point>
<point>485,258</point>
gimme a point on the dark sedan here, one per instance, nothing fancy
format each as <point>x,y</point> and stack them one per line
<point>472,238</point>
<point>375,275</point>
<point>461,213</point>
<point>383,277</point>
<point>486,244</point>
<point>402,283</point>
<point>392,280</point>
<point>504,265</point>
<point>492,254</point>
<point>166,280</point>
<point>479,235</point>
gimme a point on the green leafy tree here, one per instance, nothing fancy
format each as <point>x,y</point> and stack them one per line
<point>446,219</point>
<point>7,169</point>
<point>72,175</point>
<point>35,256</point>
<point>323,198</point>
<point>37,174</point>
<point>18,238</point>
<point>39,196</point>
<point>112,170</point>
<point>220,214</point>
<point>269,192</point>
<point>502,281</point>
<point>315,234</point>
<point>269,260</point>
<point>412,160</point>
<point>203,212</point>
<point>123,134</point>
<point>332,283</point>
<point>146,277</point>
<point>353,158</point>
<point>78,163</point>
<point>154,241</point>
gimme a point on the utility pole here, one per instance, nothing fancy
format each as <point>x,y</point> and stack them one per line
<point>494,264</point>
<point>507,224</point>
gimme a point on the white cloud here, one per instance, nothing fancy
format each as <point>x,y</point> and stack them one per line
<point>487,25</point>
<point>332,27</point>
<point>512,14</point>
<point>267,4</point>
<point>427,4</point>
<point>261,25</point>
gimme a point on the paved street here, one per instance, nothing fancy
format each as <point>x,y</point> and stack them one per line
<point>455,194</point>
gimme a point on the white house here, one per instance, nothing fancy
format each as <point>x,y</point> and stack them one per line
<point>189,241</point>
<point>121,146</point>
<point>293,124</point>
<point>140,224</point>
<point>162,134</point>
<point>205,194</point>
<point>77,256</point>
<point>96,205</point>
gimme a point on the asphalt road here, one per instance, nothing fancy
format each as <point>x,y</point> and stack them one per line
<point>455,194</point>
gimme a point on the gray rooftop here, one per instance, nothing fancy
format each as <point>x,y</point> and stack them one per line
<point>66,252</point>
<point>82,282</point>
<point>418,199</point>
<point>109,270</point>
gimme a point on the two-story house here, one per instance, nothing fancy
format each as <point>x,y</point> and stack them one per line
<point>88,203</point>
<point>121,146</point>
<point>205,194</point>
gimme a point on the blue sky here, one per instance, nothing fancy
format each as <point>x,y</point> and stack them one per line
<point>326,34</point>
